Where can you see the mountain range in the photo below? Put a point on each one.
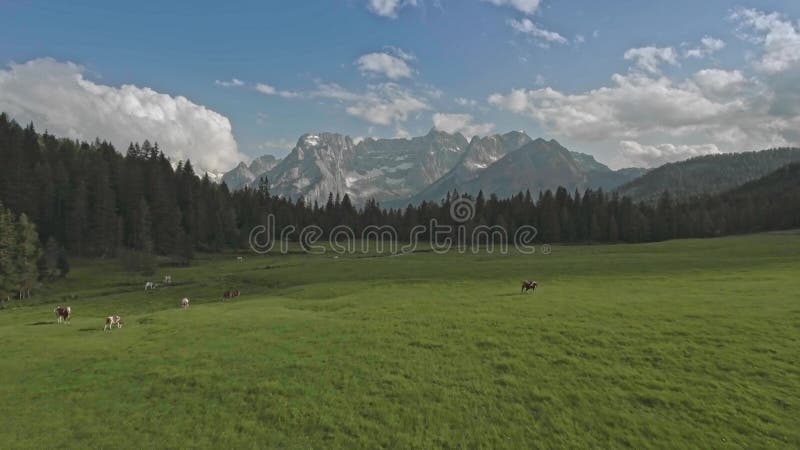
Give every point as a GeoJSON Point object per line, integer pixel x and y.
{"type": "Point", "coordinates": [396, 172]}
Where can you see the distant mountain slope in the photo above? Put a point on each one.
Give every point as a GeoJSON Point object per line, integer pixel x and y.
{"type": "Point", "coordinates": [242, 175]}
{"type": "Point", "coordinates": [612, 179]}
{"type": "Point", "coordinates": [783, 182]}
{"type": "Point", "coordinates": [480, 154]}
{"type": "Point", "coordinates": [771, 202]}
{"type": "Point", "coordinates": [708, 174]}
{"type": "Point", "coordinates": [384, 169]}
{"type": "Point", "coordinates": [536, 166]}
{"type": "Point", "coordinates": [263, 164]}
{"type": "Point", "coordinates": [512, 163]}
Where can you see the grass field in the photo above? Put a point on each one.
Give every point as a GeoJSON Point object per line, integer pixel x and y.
{"type": "Point", "coordinates": [683, 344]}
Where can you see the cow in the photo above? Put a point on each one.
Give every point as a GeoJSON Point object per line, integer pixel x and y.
{"type": "Point", "coordinates": [185, 303]}
{"type": "Point", "coordinates": [239, 259]}
{"type": "Point", "coordinates": [63, 314]}
{"type": "Point", "coordinates": [111, 322]}
{"type": "Point", "coordinates": [168, 279]}
{"type": "Point", "coordinates": [529, 285]}
{"type": "Point", "coordinates": [233, 293]}
{"type": "Point", "coordinates": [150, 285]}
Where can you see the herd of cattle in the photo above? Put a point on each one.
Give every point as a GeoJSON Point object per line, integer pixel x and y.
{"type": "Point", "coordinates": [64, 313]}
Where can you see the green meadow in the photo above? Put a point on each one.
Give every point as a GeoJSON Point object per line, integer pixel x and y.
{"type": "Point", "coordinates": [682, 344]}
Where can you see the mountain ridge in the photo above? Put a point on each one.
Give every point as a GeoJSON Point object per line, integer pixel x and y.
{"type": "Point", "coordinates": [399, 171]}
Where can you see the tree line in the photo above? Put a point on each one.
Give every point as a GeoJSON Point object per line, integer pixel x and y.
{"type": "Point", "coordinates": [94, 201]}
{"type": "Point", "coordinates": [22, 259]}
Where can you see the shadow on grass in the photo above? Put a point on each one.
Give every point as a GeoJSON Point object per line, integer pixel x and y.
{"type": "Point", "coordinates": [36, 324]}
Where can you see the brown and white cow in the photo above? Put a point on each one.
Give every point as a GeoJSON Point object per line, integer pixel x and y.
{"type": "Point", "coordinates": [111, 322]}
{"type": "Point", "coordinates": [63, 313]}
{"type": "Point", "coordinates": [529, 285]}
{"type": "Point", "coordinates": [185, 303]}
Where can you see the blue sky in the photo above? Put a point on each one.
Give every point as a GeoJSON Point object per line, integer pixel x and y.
{"type": "Point", "coordinates": [386, 68]}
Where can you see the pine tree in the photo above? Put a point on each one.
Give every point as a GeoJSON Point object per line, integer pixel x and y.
{"type": "Point", "coordinates": [104, 225]}
{"type": "Point", "coordinates": [613, 230]}
{"type": "Point", "coordinates": [143, 240]}
{"type": "Point", "coordinates": [48, 263]}
{"type": "Point", "coordinates": [7, 251]}
{"type": "Point", "coordinates": [78, 219]}
{"type": "Point", "coordinates": [26, 256]}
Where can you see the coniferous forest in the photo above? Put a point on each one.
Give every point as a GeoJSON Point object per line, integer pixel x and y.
{"type": "Point", "coordinates": [88, 199]}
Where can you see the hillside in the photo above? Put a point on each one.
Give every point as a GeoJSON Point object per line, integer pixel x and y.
{"type": "Point", "coordinates": [708, 174]}
{"type": "Point", "coordinates": [768, 203]}
{"type": "Point", "coordinates": [428, 351]}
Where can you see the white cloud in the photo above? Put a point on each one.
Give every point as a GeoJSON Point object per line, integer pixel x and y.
{"type": "Point", "coordinates": [335, 92]}
{"type": "Point", "coordinates": [634, 105]}
{"type": "Point", "coordinates": [544, 37]}
{"type": "Point", "coordinates": [719, 83]}
{"type": "Point", "coordinates": [267, 89]}
{"type": "Point", "coordinates": [400, 53]}
{"type": "Point", "coordinates": [468, 102]}
{"type": "Point", "coordinates": [779, 37]}
{"type": "Point", "coordinates": [385, 104]}
{"type": "Point", "coordinates": [656, 155]}
{"type": "Point", "coordinates": [401, 133]}
{"type": "Point", "coordinates": [390, 66]}
{"type": "Point", "coordinates": [715, 107]}
{"type": "Point", "coordinates": [380, 104]}
{"type": "Point", "coordinates": [234, 82]}
{"type": "Point", "coordinates": [279, 146]}
{"type": "Point", "coordinates": [388, 8]}
{"type": "Point", "coordinates": [524, 6]}
{"type": "Point", "coordinates": [460, 123]}
{"type": "Point", "coordinates": [650, 58]}
{"type": "Point", "coordinates": [56, 96]}
{"type": "Point", "coordinates": [708, 46]}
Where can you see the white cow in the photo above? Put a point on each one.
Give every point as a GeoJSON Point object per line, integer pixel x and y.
{"type": "Point", "coordinates": [239, 259]}
{"type": "Point", "coordinates": [185, 303]}
{"type": "Point", "coordinates": [111, 322]}
{"type": "Point", "coordinates": [168, 279]}
{"type": "Point", "coordinates": [150, 285]}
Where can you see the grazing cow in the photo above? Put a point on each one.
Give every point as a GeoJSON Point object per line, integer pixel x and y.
{"type": "Point", "coordinates": [239, 259]}
{"type": "Point", "coordinates": [185, 303]}
{"type": "Point", "coordinates": [150, 285]}
{"type": "Point", "coordinates": [168, 279]}
{"type": "Point", "coordinates": [63, 314]}
{"type": "Point", "coordinates": [529, 286]}
{"type": "Point", "coordinates": [111, 322]}
{"type": "Point", "coordinates": [233, 293]}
